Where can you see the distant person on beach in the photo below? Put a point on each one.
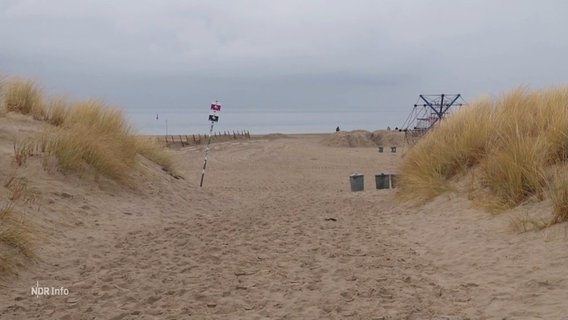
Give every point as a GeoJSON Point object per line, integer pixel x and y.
{"type": "Point", "coordinates": [337, 129]}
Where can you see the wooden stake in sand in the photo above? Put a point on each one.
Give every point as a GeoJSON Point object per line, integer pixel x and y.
{"type": "Point", "coordinates": [213, 117]}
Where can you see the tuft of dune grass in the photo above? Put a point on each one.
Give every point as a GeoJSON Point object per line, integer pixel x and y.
{"type": "Point", "coordinates": [92, 135]}
{"type": "Point", "coordinates": [56, 111]}
{"type": "Point", "coordinates": [155, 152]}
{"type": "Point", "coordinates": [95, 136]}
{"type": "Point", "coordinates": [512, 139]}
{"type": "Point", "coordinates": [86, 135]}
{"type": "Point", "coordinates": [17, 242]}
{"type": "Point", "coordinates": [516, 171]}
{"type": "Point", "coordinates": [558, 193]}
{"type": "Point", "coordinates": [23, 96]}
{"type": "Point", "coordinates": [23, 149]}
{"type": "Point", "coordinates": [449, 149]}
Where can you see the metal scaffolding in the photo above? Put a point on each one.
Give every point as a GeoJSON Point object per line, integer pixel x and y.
{"type": "Point", "coordinates": [428, 111]}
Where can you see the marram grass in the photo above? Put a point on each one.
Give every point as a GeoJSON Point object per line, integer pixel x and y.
{"type": "Point", "coordinates": [86, 135]}
{"type": "Point", "coordinates": [512, 139]}
{"type": "Point", "coordinates": [23, 96]}
{"type": "Point", "coordinates": [449, 149]}
{"type": "Point", "coordinates": [82, 136]}
{"type": "Point", "coordinates": [17, 242]}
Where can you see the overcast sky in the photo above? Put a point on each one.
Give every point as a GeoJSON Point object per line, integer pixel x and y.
{"type": "Point", "coordinates": [283, 55]}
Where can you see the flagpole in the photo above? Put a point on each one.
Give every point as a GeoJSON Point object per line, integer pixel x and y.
{"type": "Point", "coordinates": [213, 117]}
{"type": "Point", "coordinates": [206, 152]}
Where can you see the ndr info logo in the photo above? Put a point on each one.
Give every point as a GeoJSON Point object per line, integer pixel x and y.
{"type": "Point", "coordinates": [49, 291]}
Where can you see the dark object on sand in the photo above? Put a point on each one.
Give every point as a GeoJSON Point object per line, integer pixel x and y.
{"type": "Point", "coordinates": [357, 181]}
{"type": "Point", "coordinates": [382, 181]}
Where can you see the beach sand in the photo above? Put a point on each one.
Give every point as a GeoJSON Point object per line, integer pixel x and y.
{"type": "Point", "coordinates": [276, 233]}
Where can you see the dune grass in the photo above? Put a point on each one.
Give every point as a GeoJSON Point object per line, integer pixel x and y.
{"type": "Point", "coordinates": [56, 110]}
{"type": "Point", "coordinates": [23, 149]}
{"type": "Point", "coordinates": [155, 152]}
{"type": "Point", "coordinates": [87, 135]}
{"type": "Point", "coordinates": [515, 172]}
{"type": "Point", "coordinates": [83, 137]}
{"type": "Point", "coordinates": [94, 136]}
{"type": "Point", "coordinates": [558, 193]}
{"type": "Point", "coordinates": [23, 96]}
{"type": "Point", "coordinates": [513, 140]}
{"type": "Point", "coordinates": [98, 135]}
{"type": "Point", "coordinates": [17, 241]}
{"type": "Point", "coordinates": [447, 150]}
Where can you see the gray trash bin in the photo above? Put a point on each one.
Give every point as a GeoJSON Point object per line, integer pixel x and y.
{"type": "Point", "coordinates": [382, 181]}
{"type": "Point", "coordinates": [357, 181]}
{"type": "Point", "coordinates": [393, 180]}
{"type": "Point", "coordinates": [381, 149]}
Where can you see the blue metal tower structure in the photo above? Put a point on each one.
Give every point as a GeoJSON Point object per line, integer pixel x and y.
{"type": "Point", "coordinates": [429, 110]}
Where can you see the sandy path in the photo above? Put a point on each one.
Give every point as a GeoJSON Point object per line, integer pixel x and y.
{"type": "Point", "coordinates": [276, 234]}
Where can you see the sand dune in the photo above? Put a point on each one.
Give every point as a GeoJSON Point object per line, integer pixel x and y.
{"type": "Point", "coordinates": [276, 233]}
{"type": "Point", "coordinates": [363, 138]}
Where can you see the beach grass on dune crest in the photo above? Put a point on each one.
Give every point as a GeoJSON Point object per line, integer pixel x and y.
{"type": "Point", "coordinates": [56, 110]}
{"type": "Point", "coordinates": [447, 150]}
{"type": "Point", "coordinates": [86, 135]}
{"type": "Point", "coordinates": [23, 96]}
{"type": "Point", "coordinates": [97, 135]}
{"type": "Point", "coordinates": [513, 140]}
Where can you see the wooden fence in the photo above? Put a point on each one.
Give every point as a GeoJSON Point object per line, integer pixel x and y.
{"type": "Point", "coordinates": [197, 139]}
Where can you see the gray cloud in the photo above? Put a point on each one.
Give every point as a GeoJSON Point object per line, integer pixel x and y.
{"type": "Point", "coordinates": [326, 54]}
